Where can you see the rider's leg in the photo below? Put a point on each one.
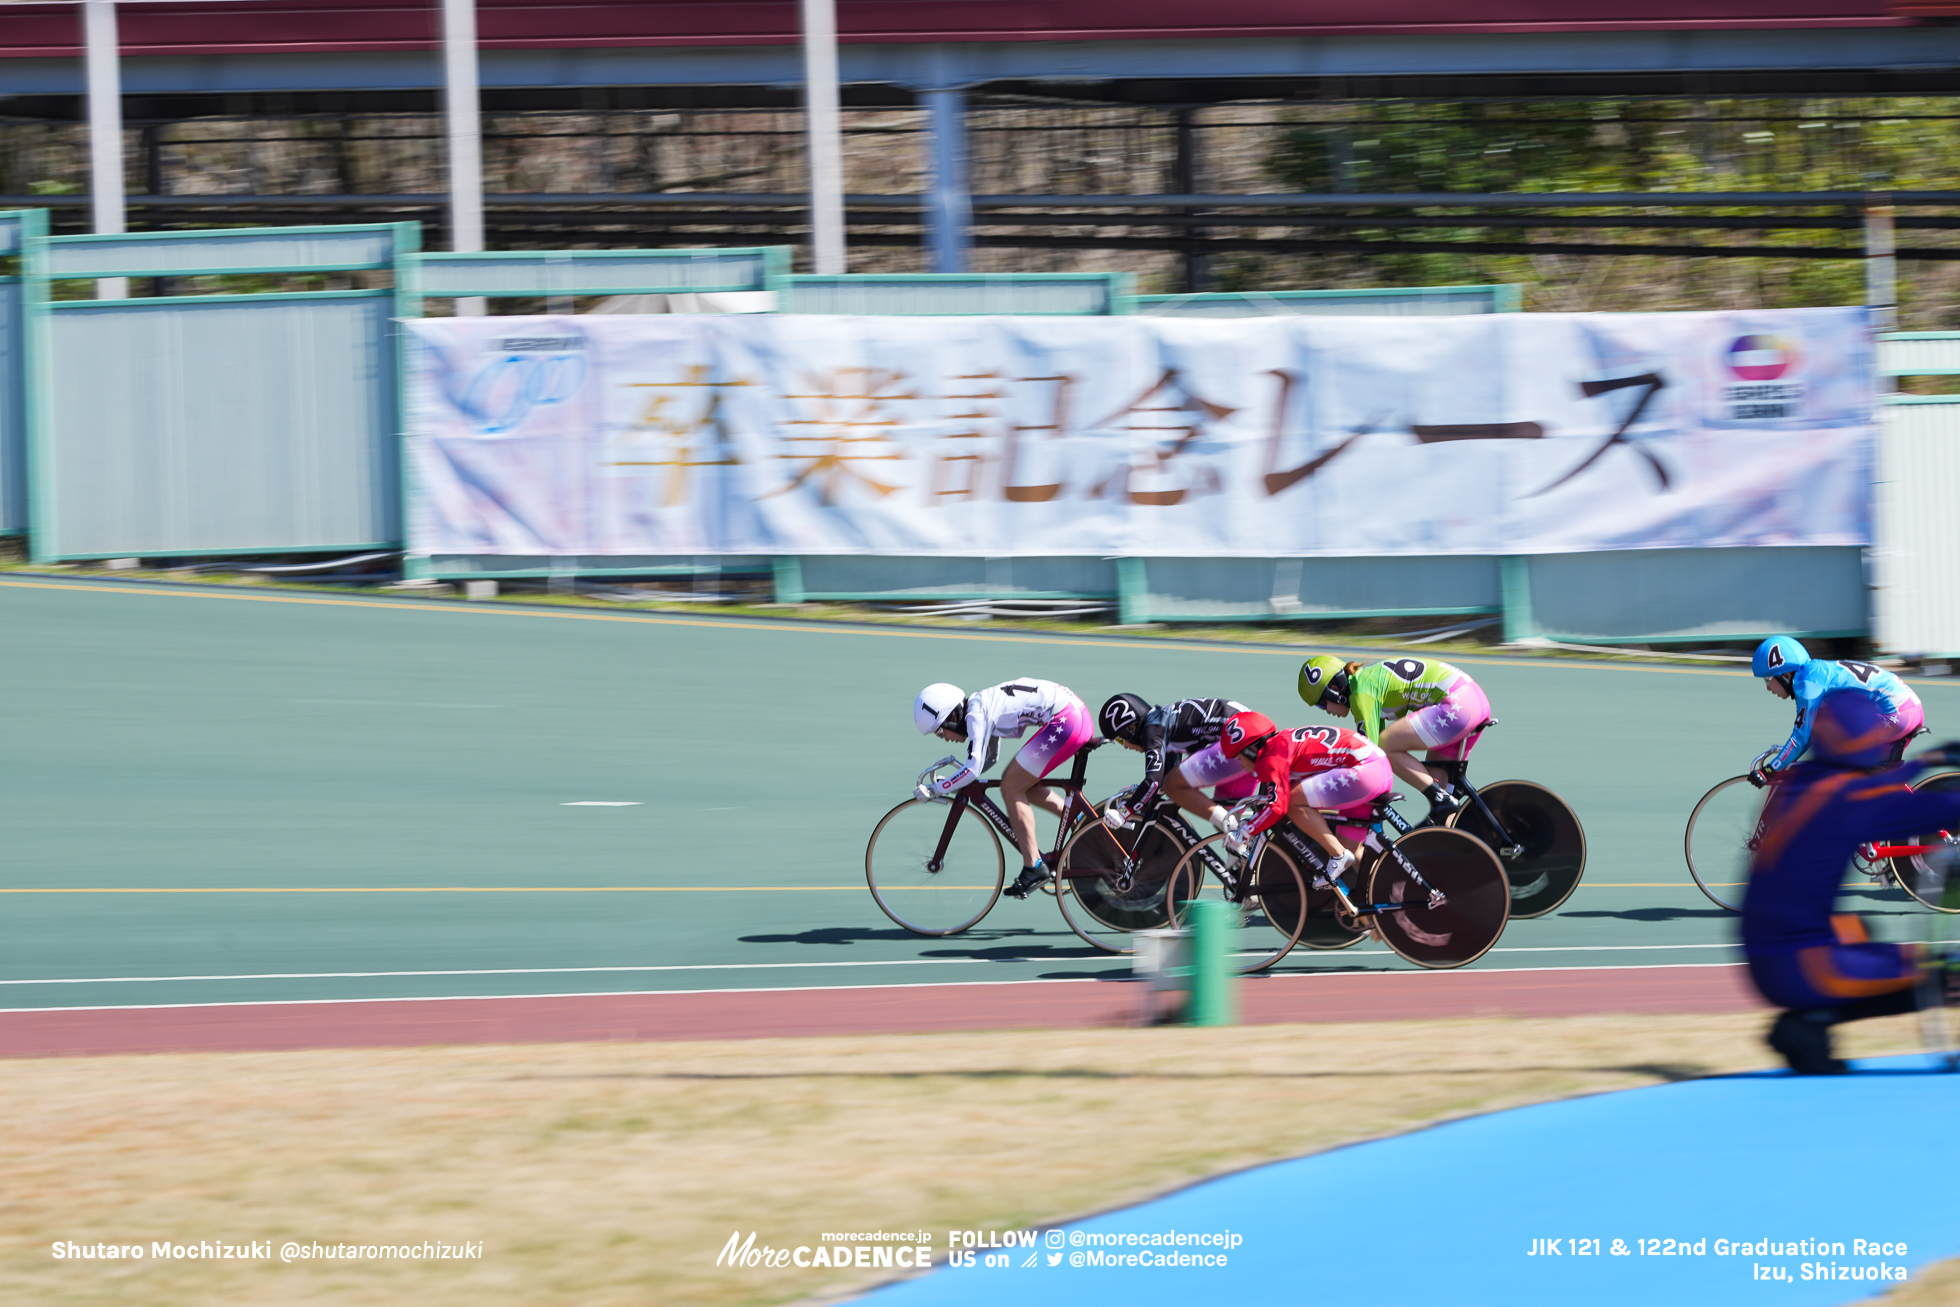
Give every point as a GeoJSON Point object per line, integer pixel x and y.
{"type": "Point", "coordinates": [1020, 788]}
{"type": "Point", "coordinates": [1206, 768]}
{"type": "Point", "coordinates": [1020, 791]}
{"type": "Point", "coordinates": [1400, 741]}
{"type": "Point", "coordinates": [1314, 826]}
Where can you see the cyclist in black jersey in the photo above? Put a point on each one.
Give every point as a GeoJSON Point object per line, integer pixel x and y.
{"type": "Point", "coordinates": [1171, 736]}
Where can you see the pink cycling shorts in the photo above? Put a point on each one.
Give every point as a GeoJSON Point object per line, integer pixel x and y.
{"type": "Point", "coordinates": [1209, 768]}
{"type": "Point", "coordinates": [1461, 712]}
{"type": "Point", "coordinates": [1910, 717]}
{"type": "Point", "coordinates": [1057, 741]}
{"type": "Point", "coordinates": [1348, 787]}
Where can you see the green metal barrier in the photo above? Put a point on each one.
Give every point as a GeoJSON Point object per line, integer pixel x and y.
{"type": "Point", "coordinates": [1391, 301]}
{"type": "Point", "coordinates": [222, 423]}
{"type": "Point", "coordinates": [1023, 294]}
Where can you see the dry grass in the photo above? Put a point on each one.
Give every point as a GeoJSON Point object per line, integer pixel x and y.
{"type": "Point", "coordinates": [603, 1174]}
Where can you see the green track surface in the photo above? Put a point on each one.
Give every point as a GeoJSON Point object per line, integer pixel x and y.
{"type": "Point", "coordinates": [224, 750]}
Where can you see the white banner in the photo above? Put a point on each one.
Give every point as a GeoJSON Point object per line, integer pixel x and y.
{"type": "Point", "coordinates": [1156, 437]}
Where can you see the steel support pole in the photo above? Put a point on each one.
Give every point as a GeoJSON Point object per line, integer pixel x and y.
{"type": "Point", "coordinates": [820, 107]}
{"type": "Point", "coordinates": [1881, 264]}
{"type": "Point", "coordinates": [103, 53]}
{"type": "Point", "coordinates": [949, 214]}
{"type": "Point", "coordinates": [462, 109]}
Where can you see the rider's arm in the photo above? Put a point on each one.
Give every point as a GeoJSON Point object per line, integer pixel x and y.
{"type": "Point", "coordinates": [1365, 702]}
{"type": "Point", "coordinates": [1155, 727]}
{"type": "Point", "coordinates": [1275, 772]}
{"type": "Point", "coordinates": [979, 734]}
{"type": "Point", "coordinates": [1806, 697]}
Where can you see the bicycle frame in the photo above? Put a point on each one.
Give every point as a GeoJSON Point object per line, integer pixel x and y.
{"type": "Point", "coordinates": [975, 795]}
{"type": "Point", "coordinates": [1457, 772]}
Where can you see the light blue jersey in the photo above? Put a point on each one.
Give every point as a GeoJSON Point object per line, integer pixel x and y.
{"type": "Point", "coordinates": [1817, 678]}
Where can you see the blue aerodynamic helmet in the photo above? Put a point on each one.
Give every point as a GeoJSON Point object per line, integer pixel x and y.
{"type": "Point", "coordinates": [1850, 729]}
{"type": "Point", "coordinates": [1777, 655]}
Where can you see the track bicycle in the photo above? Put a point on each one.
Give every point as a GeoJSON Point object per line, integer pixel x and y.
{"type": "Point", "coordinates": [935, 865]}
{"type": "Point", "coordinates": [1726, 827]}
{"type": "Point", "coordinates": [1436, 897]}
{"type": "Point", "coordinates": [1111, 883]}
{"type": "Point", "coordinates": [1534, 833]}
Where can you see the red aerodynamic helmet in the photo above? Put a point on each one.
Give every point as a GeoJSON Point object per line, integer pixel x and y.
{"type": "Point", "coordinates": [1243, 729]}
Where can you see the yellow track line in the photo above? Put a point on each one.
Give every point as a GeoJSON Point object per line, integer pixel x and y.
{"type": "Point", "coordinates": [810, 628]}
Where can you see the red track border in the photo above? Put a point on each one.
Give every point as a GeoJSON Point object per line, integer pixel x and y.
{"type": "Point", "coordinates": [887, 1009]}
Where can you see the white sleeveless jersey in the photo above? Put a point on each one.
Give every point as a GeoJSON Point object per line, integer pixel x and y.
{"type": "Point", "coordinates": [1005, 712]}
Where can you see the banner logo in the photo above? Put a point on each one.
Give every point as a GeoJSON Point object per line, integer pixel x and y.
{"type": "Point", "coordinates": [1764, 366]}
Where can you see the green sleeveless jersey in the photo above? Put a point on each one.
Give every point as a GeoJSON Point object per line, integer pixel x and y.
{"type": "Point", "coordinates": [1384, 691]}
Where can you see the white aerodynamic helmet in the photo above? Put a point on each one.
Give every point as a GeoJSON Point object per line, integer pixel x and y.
{"type": "Point", "coordinates": [934, 705]}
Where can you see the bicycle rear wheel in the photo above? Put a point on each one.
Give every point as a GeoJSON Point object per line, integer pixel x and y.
{"type": "Point", "coordinates": [928, 901]}
{"type": "Point", "coordinates": [1269, 913]}
{"type": "Point", "coordinates": [1454, 896]}
{"type": "Point", "coordinates": [1721, 840]}
{"type": "Point", "coordinates": [1089, 882]}
{"type": "Point", "coordinates": [1550, 841]}
{"type": "Point", "coordinates": [1936, 891]}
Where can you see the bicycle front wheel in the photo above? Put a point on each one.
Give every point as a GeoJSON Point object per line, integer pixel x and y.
{"type": "Point", "coordinates": [929, 899]}
{"type": "Point", "coordinates": [1721, 840]}
{"type": "Point", "coordinates": [1441, 897]}
{"type": "Point", "coordinates": [1550, 842]}
{"type": "Point", "coordinates": [1111, 884]}
{"type": "Point", "coordinates": [1268, 902]}
{"type": "Point", "coordinates": [1938, 892]}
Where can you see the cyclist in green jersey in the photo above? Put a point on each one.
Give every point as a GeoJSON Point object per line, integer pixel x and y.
{"type": "Point", "coordinates": [1403, 705]}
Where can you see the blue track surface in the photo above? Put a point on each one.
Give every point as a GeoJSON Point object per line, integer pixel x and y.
{"type": "Point", "coordinates": [1449, 1215]}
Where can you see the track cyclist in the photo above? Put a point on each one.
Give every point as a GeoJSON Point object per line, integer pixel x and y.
{"type": "Point", "coordinates": [1301, 771]}
{"type": "Point", "coordinates": [1789, 672]}
{"type": "Point", "coordinates": [1820, 967]}
{"type": "Point", "coordinates": [1001, 713]}
{"type": "Point", "coordinates": [1179, 743]}
{"type": "Point", "coordinates": [1403, 705]}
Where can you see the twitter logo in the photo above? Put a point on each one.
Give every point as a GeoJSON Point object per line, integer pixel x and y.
{"type": "Point", "coordinates": [1054, 1259]}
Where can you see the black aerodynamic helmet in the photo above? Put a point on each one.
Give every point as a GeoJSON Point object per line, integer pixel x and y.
{"type": "Point", "coordinates": [1121, 718]}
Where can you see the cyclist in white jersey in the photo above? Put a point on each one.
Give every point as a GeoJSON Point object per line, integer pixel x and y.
{"type": "Point", "coordinates": [1003, 712]}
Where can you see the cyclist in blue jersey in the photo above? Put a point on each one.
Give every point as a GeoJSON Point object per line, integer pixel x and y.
{"type": "Point", "coordinates": [1820, 967]}
{"type": "Point", "coordinates": [1791, 673]}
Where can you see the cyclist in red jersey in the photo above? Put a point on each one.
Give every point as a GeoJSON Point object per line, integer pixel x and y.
{"type": "Point", "coordinates": [1304, 770]}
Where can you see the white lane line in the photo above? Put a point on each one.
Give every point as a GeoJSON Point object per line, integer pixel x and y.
{"type": "Point", "coordinates": [824, 989]}
{"type": "Point", "coordinates": [601, 803]}
{"type": "Point", "coordinates": [747, 966]}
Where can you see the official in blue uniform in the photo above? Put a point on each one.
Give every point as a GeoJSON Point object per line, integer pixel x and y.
{"type": "Point", "coordinates": [1822, 968]}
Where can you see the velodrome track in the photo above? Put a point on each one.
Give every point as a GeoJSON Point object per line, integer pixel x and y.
{"type": "Point", "coordinates": [247, 818]}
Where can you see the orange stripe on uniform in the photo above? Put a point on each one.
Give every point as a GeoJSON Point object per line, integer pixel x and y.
{"type": "Point", "coordinates": [1820, 970]}
{"type": "Point", "coordinates": [1849, 928]}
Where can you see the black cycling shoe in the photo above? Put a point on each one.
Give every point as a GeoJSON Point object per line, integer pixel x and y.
{"type": "Point", "coordinates": [1805, 1045]}
{"type": "Point", "coordinates": [1030, 880]}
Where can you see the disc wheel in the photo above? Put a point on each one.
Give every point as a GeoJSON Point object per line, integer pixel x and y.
{"type": "Point", "coordinates": [1111, 884]}
{"type": "Point", "coordinates": [1940, 893]}
{"type": "Point", "coordinates": [1546, 832]}
{"type": "Point", "coordinates": [928, 901]}
{"type": "Point", "coordinates": [1462, 919]}
{"type": "Point", "coordinates": [1721, 839]}
{"type": "Point", "coordinates": [1268, 915]}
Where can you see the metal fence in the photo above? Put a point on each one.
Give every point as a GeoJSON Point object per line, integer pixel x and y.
{"type": "Point", "coordinates": [16, 227]}
{"type": "Point", "coordinates": [1399, 301]}
{"type": "Point", "coordinates": [248, 422]}
{"type": "Point", "coordinates": [1916, 564]}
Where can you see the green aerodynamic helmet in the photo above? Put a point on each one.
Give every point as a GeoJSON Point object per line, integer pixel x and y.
{"type": "Point", "coordinates": [1324, 676]}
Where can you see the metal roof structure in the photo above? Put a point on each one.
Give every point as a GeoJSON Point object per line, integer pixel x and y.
{"type": "Point", "coordinates": [1139, 51]}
